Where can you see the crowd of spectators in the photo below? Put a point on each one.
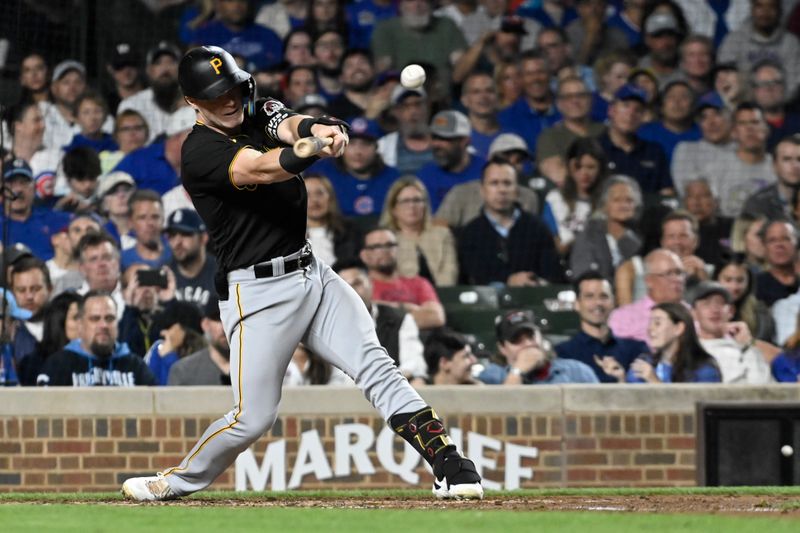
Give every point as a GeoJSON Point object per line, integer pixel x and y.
{"type": "Point", "coordinates": [647, 152]}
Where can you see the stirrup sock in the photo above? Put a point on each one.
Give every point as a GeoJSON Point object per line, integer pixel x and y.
{"type": "Point", "coordinates": [424, 431]}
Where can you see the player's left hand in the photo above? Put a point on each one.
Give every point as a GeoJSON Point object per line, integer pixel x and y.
{"type": "Point", "coordinates": [337, 133]}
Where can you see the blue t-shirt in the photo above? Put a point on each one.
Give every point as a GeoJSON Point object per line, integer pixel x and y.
{"type": "Point", "coordinates": [362, 17]}
{"type": "Point", "coordinates": [633, 34]}
{"type": "Point", "coordinates": [786, 367]}
{"type": "Point", "coordinates": [532, 9]}
{"type": "Point", "coordinates": [160, 365]}
{"type": "Point", "coordinates": [599, 112]}
{"type": "Point", "coordinates": [658, 133]}
{"type": "Point", "coordinates": [560, 371]}
{"type": "Point", "coordinates": [704, 374]}
{"type": "Point", "coordinates": [481, 142]}
{"type": "Point", "coordinates": [439, 181]}
{"type": "Point", "coordinates": [583, 347]}
{"type": "Point", "coordinates": [358, 197]}
{"type": "Point", "coordinates": [149, 168]}
{"type": "Point", "coordinates": [36, 231]}
{"type": "Point", "coordinates": [131, 256]}
{"type": "Point", "coordinates": [519, 118]}
{"type": "Point", "coordinates": [260, 46]}
{"type": "Point", "coordinates": [106, 142]}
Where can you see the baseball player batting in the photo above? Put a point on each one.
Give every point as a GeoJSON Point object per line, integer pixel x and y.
{"type": "Point", "coordinates": [240, 168]}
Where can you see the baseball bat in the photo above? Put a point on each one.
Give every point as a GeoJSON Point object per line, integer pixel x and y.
{"type": "Point", "coordinates": [310, 146]}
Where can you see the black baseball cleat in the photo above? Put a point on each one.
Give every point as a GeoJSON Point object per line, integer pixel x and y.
{"type": "Point", "coordinates": [455, 477]}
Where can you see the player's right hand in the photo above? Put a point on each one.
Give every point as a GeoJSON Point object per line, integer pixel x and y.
{"type": "Point", "coordinates": [337, 133]}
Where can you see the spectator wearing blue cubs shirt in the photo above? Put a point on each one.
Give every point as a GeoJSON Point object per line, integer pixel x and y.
{"type": "Point", "coordinates": [147, 221]}
{"type": "Point", "coordinates": [360, 178]}
{"type": "Point", "coordinates": [548, 13]}
{"type": "Point", "coordinates": [452, 163]}
{"type": "Point", "coordinates": [157, 165]}
{"type": "Point", "coordinates": [677, 119]}
{"type": "Point", "coordinates": [234, 30]}
{"type": "Point", "coordinates": [362, 17]}
{"type": "Point", "coordinates": [629, 19]}
{"type": "Point", "coordinates": [479, 97]}
{"type": "Point", "coordinates": [26, 224]}
{"type": "Point", "coordinates": [534, 110]}
{"type": "Point", "coordinates": [595, 345]}
{"type": "Point", "coordinates": [629, 154]}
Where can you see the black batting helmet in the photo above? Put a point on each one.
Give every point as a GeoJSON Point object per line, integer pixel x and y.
{"type": "Point", "coordinates": [208, 72]}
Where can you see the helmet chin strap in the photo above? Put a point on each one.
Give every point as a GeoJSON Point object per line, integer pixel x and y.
{"type": "Point", "coordinates": [250, 98]}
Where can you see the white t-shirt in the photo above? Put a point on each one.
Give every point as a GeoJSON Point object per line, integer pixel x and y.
{"type": "Point", "coordinates": [321, 240]}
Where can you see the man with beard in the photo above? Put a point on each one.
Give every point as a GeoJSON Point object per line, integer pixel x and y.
{"type": "Point", "coordinates": [414, 295]}
{"type": "Point", "coordinates": [779, 199]}
{"type": "Point", "coordinates": [417, 36]}
{"type": "Point", "coordinates": [357, 78]}
{"type": "Point", "coordinates": [408, 148]}
{"type": "Point", "coordinates": [595, 345]}
{"type": "Point", "coordinates": [534, 110]}
{"type": "Point", "coordinates": [147, 218]}
{"type": "Point", "coordinates": [452, 163]}
{"type": "Point", "coordinates": [211, 365]}
{"type": "Point", "coordinates": [194, 268]}
{"type": "Point", "coordinates": [504, 244]}
{"type": "Point", "coordinates": [125, 71]}
{"type": "Point", "coordinates": [157, 166]}
{"type": "Point", "coordinates": [492, 48]}
{"type": "Point", "coordinates": [163, 98]}
{"type": "Point", "coordinates": [96, 358]}
{"type": "Point", "coordinates": [360, 178]}
{"type": "Point", "coordinates": [29, 225]}
{"type": "Point", "coordinates": [329, 47]}
{"type": "Point", "coordinates": [768, 79]}
{"type": "Point", "coordinates": [234, 30]}
{"type": "Point", "coordinates": [762, 37]}
{"type": "Point", "coordinates": [662, 38]}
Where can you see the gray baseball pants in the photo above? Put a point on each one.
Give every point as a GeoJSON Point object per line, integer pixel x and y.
{"type": "Point", "coordinates": [264, 320]}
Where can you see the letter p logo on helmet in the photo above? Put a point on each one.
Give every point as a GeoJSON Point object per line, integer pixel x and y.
{"type": "Point", "coordinates": [216, 63]}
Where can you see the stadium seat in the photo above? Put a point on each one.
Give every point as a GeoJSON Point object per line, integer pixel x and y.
{"type": "Point", "coordinates": [468, 296]}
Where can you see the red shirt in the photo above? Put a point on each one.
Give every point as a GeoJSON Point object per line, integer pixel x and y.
{"type": "Point", "coordinates": [416, 290]}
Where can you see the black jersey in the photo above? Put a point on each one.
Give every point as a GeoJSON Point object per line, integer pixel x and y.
{"type": "Point", "coordinates": [251, 224]}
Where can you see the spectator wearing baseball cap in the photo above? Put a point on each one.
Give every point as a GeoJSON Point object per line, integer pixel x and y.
{"type": "Point", "coordinates": [209, 365]}
{"type": "Point", "coordinates": [740, 356]}
{"type": "Point", "coordinates": [408, 148]}
{"type": "Point", "coordinates": [314, 105]}
{"type": "Point", "coordinates": [677, 102]}
{"type": "Point", "coordinates": [157, 166]}
{"type": "Point", "coordinates": [525, 357]}
{"type": "Point", "coordinates": [628, 154]}
{"type": "Point", "coordinates": [113, 191]}
{"type": "Point", "coordinates": [125, 69]}
{"type": "Point", "coordinates": [662, 34]}
{"type": "Point", "coordinates": [452, 164]}
{"type": "Point", "coordinates": [67, 85]}
{"type": "Point", "coordinates": [158, 102]}
{"type": "Point", "coordinates": [174, 333]}
{"type": "Point", "coordinates": [693, 160]}
{"type": "Point", "coordinates": [463, 202]}
{"type": "Point", "coordinates": [193, 266]}
{"type": "Point", "coordinates": [234, 30]}
{"type": "Point", "coordinates": [27, 224]}
{"type": "Point", "coordinates": [360, 177]}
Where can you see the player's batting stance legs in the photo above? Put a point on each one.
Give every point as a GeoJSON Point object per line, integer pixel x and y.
{"type": "Point", "coordinates": [242, 174]}
{"type": "Point", "coordinates": [264, 320]}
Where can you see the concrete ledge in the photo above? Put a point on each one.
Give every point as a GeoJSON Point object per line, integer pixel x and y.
{"type": "Point", "coordinates": [547, 399]}
{"type": "Point", "coordinates": [667, 398]}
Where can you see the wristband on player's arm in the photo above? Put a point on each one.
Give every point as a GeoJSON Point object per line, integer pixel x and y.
{"type": "Point", "coordinates": [304, 128]}
{"type": "Point", "coordinates": [294, 164]}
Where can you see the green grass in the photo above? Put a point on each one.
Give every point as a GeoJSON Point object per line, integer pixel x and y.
{"type": "Point", "coordinates": [168, 519]}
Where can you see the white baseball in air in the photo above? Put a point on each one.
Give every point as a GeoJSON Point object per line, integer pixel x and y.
{"type": "Point", "coordinates": [787, 450]}
{"type": "Point", "coordinates": [412, 77]}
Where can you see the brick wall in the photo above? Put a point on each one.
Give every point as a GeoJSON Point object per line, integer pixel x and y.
{"type": "Point", "coordinates": [624, 442]}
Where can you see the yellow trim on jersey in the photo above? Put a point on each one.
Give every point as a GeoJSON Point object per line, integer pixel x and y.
{"type": "Point", "coordinates": [230, 169]}
{"type": "Point", "coordinates": [241, 400]}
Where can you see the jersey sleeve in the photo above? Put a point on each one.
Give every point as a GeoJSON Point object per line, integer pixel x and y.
{"type": "Point", "coordinates": [269, 113]}
{"type": "Point", "coordinates": [207, 162]}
